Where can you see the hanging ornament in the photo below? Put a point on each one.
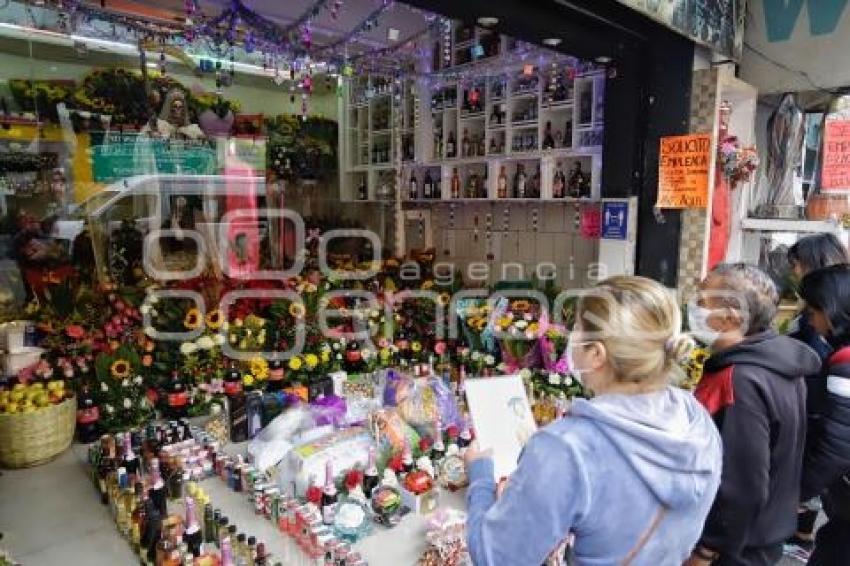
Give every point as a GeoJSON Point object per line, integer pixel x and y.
{"type": "Point", "coordinates": [250, 43]}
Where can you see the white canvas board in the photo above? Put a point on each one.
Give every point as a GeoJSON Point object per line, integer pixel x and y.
{"type": "Point", "coordinates": [501, 415]}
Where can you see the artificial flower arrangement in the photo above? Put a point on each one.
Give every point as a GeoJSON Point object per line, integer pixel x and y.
{"type": "Point", "coordinates": [739, 163]}
{"type": "Point", "coordinates": [520, 324]}
{"type": "Point", "coordinates": [120, 390]}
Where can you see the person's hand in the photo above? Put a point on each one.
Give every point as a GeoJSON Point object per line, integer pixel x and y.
{"type": "Point", "coordinates": [696, 561]}
{"type": "Point", "coordinates": [473, 453]}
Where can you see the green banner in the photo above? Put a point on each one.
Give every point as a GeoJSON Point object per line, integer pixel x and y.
{"type": "Point", "coordinates": [119, 156]}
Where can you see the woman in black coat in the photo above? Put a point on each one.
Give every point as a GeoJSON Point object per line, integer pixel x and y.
{"type": "Point", "coordinates": [826, 466]}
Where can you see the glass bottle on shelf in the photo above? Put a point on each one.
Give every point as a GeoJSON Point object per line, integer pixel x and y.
{"type": "Point", "coordinates": [480, 145]}
{"type": "Point", "coordinates": [451, 146]}
{"type": "Point", "coordinates": [520, 181]}
{"type": "Point", "coordinates": [482, 186]}
{"type": "Point", "coordinates": [558, 182]}
{"type": "Point", "coordinates": [455, 184]}
{"type": "Point", "coordinates": [465, 146]}
{"type": "Point", "coordinates": [428, 186]}
{"type": "Point", "coordinates": [192, 529]}
{"type": "Point", "coordinates": [362, 192]}
{"type": "Point", "coordinates": [88, 415]}
{"type": "Point", "coordinates": [577, 184]}
{"type": "Point", "coordinates": [138, 519]}
{"type": "Point", "coordinates": [493, 146]}
{"type": "Point", "coordinates": [438, 188]}
{"type": "Point", "coordinates": [413, 190]}
{"type": "Point", "coordinates": [548, 139]}
{"type": "Point", "coordinates": [568, 133]}
{"type": "Point", "coordinates": [534, 184]}
{"type": "Point", "coordinates": [502, 183]}
{"type": "Point", "coordinates": [472, 186]}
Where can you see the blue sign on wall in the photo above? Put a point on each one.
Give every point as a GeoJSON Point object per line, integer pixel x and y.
{"type": "Point", "coordinates": [615, 220]}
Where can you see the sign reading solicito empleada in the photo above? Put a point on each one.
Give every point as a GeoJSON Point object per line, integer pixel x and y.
{"type": "Point", "coordinates": [683, 171]}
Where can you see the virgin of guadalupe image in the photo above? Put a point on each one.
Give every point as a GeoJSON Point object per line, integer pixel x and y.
{"type": "Point", "coordinates": [173, 120]}
{"type": "Point", "coordinates": [519, 410]}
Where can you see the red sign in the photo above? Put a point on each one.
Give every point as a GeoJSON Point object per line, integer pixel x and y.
{"type": "Point", "coordinates": [835, 174]}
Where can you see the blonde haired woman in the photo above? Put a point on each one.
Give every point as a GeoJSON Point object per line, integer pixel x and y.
{"type": "Point", "coordinates": [630, 474]}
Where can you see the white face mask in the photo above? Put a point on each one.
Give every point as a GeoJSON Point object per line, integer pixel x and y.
{"type": "Point", "coordinates": [698, 323]}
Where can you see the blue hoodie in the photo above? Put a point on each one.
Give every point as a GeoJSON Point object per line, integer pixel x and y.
{"type": "Point", "coordinates": [603, 473]}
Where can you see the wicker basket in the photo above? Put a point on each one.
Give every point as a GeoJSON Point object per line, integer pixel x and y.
{"type": "Point", "coordinates": [31, 439]}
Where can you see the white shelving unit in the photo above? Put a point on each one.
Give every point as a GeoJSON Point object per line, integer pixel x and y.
{"type": "Point", "coordinates": [505, 129]}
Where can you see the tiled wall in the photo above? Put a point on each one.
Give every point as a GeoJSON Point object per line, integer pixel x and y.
{"type": "Point", "coordinates": [704, 107]}
{"type": "Point", "coordinates": [528, 234]}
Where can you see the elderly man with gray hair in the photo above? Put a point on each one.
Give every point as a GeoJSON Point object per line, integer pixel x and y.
{"type": "Point", "coordinates": [753, 387]}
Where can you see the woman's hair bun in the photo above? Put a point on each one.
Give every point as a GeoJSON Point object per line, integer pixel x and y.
{"type": "Point", "coordinates": [678, 347]}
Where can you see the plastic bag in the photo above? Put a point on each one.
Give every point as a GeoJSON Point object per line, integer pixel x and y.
{"type": "Point", "coordinates": [272, 444]}
{"type": "Point", "coordinates": [424, 401]}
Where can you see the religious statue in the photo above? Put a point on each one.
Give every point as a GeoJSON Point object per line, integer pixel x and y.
{"type": "Point", "coordinates": [173, 120]}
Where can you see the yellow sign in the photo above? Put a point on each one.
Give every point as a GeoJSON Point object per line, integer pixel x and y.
{"type": "Point", "coordinates": [683, 169]}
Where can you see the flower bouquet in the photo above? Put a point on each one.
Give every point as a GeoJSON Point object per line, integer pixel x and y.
{"type": "Point", "coordinates": [692, 366]}
{"type": "Point", "coordinates": [739, 163]}
{"type": "Point", "coordinates": [120, 390]}
{"type": "Point", "coordinates": [519, 323]}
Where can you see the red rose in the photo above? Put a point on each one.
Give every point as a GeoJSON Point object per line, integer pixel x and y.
{"type": "Point", "coordinates": [352, 479]}
{"type": "Point", "coordinates": [395, 463]}
{"type": "Point", "coordinates": [314, 495]}
{"type": "Point", "coordinates": [440, 348]}
{"type": "Point", "coordinates": [452, 431]}
{"type": "Point", "coordinates": [425, 444]}
{"type": "Point", "coordinates": [75, 331]}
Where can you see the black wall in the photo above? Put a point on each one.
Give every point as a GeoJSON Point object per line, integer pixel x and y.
{"type": "Point", "coordinates": [647, 96]}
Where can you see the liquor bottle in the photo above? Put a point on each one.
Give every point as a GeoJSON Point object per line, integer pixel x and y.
{"type": "Point", "coordinates": [125, 504]}
{"type": "Point", "coordinates": [152, 533]}
{"type": "Point", "coordinates": [493, 147]}
{"type": "Point", "coordinates": [471, 186]}
{"type": "Point", "coordinates": [106, 467]}
{"type": "Point", "coordinates": [407, 464]}
{"type": "Point", "coordinates": [236, 406]}
{"type": "Point", "coordinates": [465, 146]}
{"type": "Point", "coordinates": [222, 530]}
{"type": "Point", "coordinates": [262, 556]}
{"type": "Point", "coordinates": [209, 524]}
{"type": "Point", "coordinates": [178, 397]}
{"type": "Point", "coordinates": [413, 191]}
{"type": "Point", "coordinates": [88, 415]}
{"type": "Point", "coordinates": [520, 181]}
{"type": "Point", "coordinates": [465, 438]}
{"type": "Point", "coordinates": [329, 495]}
{"type": "Point", "coordinates": [558, 182]}
{"type": "Point", "coordinates": [130, 462]}
{"type": "Point", "coordinates": [568, 133]}
{"type": "Point", "coordinates": [438, 144]}
{"type": "Point", "coordinates": [254, 413]}
{"type": "Point", "coordinates": [252, 551]}
{"type": "Point", "coordinates": [575, 182]}
{"type": "Point", "coordinates": [362, 193]}
{"type": "Point", "coordinates": [480, 145]}
{"type": "Point", "coordinates": [370, 476]}
{"type": "Point", "coordinates": [239, 550]}
{"type": "Point", "coordinates": [276, 375]}
{"type": "Point", "coordinates": [192, 529]}
{"type": "Point", "coordinates": [226, 553]}
{"type": "Point", "coordinates": [548, 139]}
{"type": "Point", "coordinates": [438, 450]}
{"type": "Point", "coordinates": [534, 184]}
{"type": "Point", "coordinates": [451, 146]}
{"type": "Point", "coordinates": [455, 184]}
{"type": "Point", "coordinates": [428, 186]}
{"type": "Point", "coordinates": [502, 183]}
{"type": "Point", "coordinates": [438, 190]}
{"type": "Point", "coordinates": [138, 520]}
{"type": "Point", "coordinates": [157, 489]}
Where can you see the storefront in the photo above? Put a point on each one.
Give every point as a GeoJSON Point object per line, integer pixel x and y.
{"type": "Point", "coordinates": [322, 217]}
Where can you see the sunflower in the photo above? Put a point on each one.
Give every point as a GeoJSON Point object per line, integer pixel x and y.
{"type": "Point", "coordinates": [248, 380]}
{"type": "Point", "coordinates": [445, 299]}
{"type": "Point", "coordinates": [120, 369]}
{"type": "Point", "coordinates": [416, 347]}
{"type": "Point", "coordinates": [295, 363]}
{"type": "Point", "coordinates": [259, 368]}
{"type": "Point", "coordinates": [297, 310]}
{"type": "Point", "coordinates": [214, 319]}
{"type": "Point", "coordinates": [193, 319]}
